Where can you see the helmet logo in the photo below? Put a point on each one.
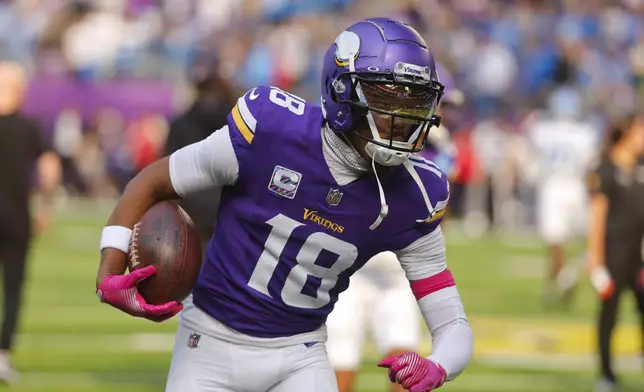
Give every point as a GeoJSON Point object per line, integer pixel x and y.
{"type": "Point", "coordinates": [406, 72]}
{"type": "Point", "coordinates": [347, 45]}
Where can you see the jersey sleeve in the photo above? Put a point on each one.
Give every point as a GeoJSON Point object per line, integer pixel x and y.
{"type": "Point", "coordinates": [244, 121]}
{"type": "Point", "coordinates": [424, 257]}
{"type": "Point", "coordinates": [436, 187]}
{"type": "Point", "coordinates": [210, 163]}
{"type": "Point", "coordinates": [600, 180]}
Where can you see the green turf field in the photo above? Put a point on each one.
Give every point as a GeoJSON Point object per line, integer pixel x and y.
{"type": "Point", "coordinates": [70, 342]}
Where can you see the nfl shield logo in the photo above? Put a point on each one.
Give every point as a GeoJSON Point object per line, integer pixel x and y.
{"type": "Point", "coordinates": [193, 340]}
{"type": "Point", "coordinates": [333, 197]}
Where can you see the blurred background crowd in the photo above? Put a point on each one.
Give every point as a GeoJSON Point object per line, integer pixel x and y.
{"type": "Point", "coordinates": [107, 76]}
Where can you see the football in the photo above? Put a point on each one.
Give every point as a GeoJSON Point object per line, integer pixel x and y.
{"type": "Point", "coordinates": [167, 238]}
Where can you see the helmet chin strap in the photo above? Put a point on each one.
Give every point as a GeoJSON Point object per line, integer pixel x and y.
{"type": "Point", "coordinates": [386, 156]}
{"type": "Point", "coordinates": [384, 208]}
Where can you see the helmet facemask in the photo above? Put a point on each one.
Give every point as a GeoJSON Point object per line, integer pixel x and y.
{"type": "Point", "coordinates": [399, 110]}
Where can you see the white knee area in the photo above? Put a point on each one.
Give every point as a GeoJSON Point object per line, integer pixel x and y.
{"type": "Point", "coordinates": [562, 211]}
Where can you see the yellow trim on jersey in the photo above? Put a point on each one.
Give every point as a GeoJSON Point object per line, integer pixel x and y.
{"type": "Point", "coordinates": [246, 115]}
{"type": "Point", "coordinates": [241, 125]}
{"type": "Point", "coordinates": [436, 216]}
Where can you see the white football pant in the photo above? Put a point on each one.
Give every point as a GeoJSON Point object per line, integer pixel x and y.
{"type": "Point", "coordinates": [215, 365]}
{"type": "Point", "coordinates": [379, 299]}
{"type": "Point", "coordinates": [562, 209]}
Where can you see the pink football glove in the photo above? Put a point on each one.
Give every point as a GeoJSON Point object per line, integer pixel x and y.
{"type": "Point", "coordinates": [414, 373]}
{"type": "Point", "coordinates": [120, 291]}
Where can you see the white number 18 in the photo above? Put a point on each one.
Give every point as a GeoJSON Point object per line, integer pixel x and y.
{"type": "Point", "coordinates": [292, 102]}
{"type": "Point", "coordinates": [283, 227]}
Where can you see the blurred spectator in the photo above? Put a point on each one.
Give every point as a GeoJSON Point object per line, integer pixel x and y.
{"type": "Point", "coordinates": [615, 236]}
{"type": "Point", "coordinates": [208, 113]}
{"type": "Point", "coordinates": [22, 149]}
{"type": "Point", "coordinates": [491, 74]}
{"type": "Point", "coordinates": [110, 133]}
{"type": "Point", "coordinates": [67, 139]}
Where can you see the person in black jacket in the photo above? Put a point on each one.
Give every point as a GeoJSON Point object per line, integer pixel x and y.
{"type": "Point", "coordinates": [616, 232]}
{"type": "Point", "coordinates": [22, 148]}
{"type": "Point", "coordinates": [214, 100]}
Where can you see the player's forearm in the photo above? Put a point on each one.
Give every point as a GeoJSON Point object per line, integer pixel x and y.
{"type": "Point", "coordinates": [149, 187]}
{"type": "Point", "coordinates": [444, 314]}
{"type": "Point", "coordinates": [596, 237]}
{"type": "Point", "coordinates": [113, 262]}
{"type": "Point", "coordinates": [596, 246]}
{"type": "Point", "coordinates": [453, 348]}
{"type": "Point", "coordinates": [50, 176]}
{"type": "Point", "coordinates": [452, 336]}
{"type": "Point", "coordinates": [434, 287]}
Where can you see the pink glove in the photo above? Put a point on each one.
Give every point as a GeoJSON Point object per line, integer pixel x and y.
{"type": "Point", "coordinates": [120, 291]}
{"type": "Point", "coordinates": [414, 373]}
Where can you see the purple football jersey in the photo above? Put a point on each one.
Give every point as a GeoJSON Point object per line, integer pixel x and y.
{"type": "Point", "coordinates": [288, 237]}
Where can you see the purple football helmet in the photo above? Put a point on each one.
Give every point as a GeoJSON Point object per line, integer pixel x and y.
{"type": "Point", "coordinates": [379, 72]}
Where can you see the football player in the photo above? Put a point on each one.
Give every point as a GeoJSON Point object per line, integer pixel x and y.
{"type": "Point", "coordinates": [309, 195]}
{"type": "Point", "coordinates": [379, 298]}
{"type": "Point", "coordinates": [565, 147]}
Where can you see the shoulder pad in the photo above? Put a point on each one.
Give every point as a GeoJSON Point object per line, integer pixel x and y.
{"type": "Point", "coordinates": [247, 111]}
{"type": "Point", "coordinates": [266, 109]}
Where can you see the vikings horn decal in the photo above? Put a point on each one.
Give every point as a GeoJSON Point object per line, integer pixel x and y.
{"type": "Point", "coordinates": [347, 43]}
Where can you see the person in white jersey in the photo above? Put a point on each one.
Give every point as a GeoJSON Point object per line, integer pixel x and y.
{"type": "Point", "coordinates": [565, 148]}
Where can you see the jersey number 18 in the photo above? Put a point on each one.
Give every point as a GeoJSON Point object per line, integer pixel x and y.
{"type": "Point", "coordinates": [291, 294]}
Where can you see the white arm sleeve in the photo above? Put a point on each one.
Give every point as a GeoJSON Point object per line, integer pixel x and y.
{"type": "Point", "coordinates": [206, 164]}
{"type": "Point", "coordinates": [443, 311]}
{"type": "Point", "coordinates": [452, 336]}
{"type": "Point", "coordinates": [424, 257]}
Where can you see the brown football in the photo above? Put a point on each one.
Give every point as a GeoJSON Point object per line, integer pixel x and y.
{"type": "Point", "coordinates": [167, 238]}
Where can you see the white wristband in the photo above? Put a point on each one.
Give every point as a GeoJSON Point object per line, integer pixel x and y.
{"type": "Point", "coordinates": [117, 237]}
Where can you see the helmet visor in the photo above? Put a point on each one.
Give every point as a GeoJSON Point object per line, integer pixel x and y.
{"type": "Point", "coordinates": [401, 112]}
